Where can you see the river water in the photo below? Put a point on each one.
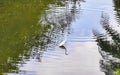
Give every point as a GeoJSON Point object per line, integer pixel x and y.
{"type": "Point", "coordinates": [76, 25]}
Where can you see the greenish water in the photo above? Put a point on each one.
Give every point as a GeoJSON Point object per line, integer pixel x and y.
{"type": "Point", "coordinates": [19, 28]}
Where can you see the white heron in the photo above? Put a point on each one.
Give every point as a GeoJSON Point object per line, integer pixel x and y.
{"type": "Point", "coordinates": [61, 45]}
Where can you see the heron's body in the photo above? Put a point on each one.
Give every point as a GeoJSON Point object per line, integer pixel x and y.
{"type": "Point", "coordinates": [61, 45]}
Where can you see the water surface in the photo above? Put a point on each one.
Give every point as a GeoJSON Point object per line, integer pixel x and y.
{"type": "Point", "coordinates": [32, 31]}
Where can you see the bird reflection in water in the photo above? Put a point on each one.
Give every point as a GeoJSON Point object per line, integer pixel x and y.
{"type": "Point", "coordinates": [63, 47]}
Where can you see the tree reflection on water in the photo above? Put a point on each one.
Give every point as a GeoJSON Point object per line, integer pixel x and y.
{"type": "Point", "coordinates": [109, 47]}
{"type": "Point", "coordinates": [33, 39]}
{"type": "Point", "coordinates": [109, 44]}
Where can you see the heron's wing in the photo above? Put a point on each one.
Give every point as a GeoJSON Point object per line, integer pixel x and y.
{"type": "Point", "coordinates": [62, 43]}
